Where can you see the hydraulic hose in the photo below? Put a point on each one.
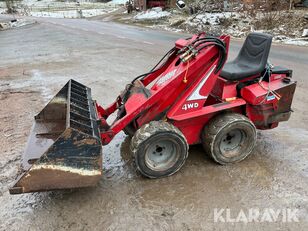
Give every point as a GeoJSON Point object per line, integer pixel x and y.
{"type": "Point", "coordinates": [212, 41]}
{"type": "Point", "coordinates": [222, 54]}
{"type": "Point", "coordinates": [154, 69]}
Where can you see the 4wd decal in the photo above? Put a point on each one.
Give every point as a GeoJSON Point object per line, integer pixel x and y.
{"type": "Point", "coordinates": [188, 106]}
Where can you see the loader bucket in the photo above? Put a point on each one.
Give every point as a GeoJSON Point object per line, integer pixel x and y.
{"type": "Point", "coordinates": [64, 148]}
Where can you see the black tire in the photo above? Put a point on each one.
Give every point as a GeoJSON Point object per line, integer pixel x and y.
{"type": "Point", "coordinates": [159, 149]}
{"type": "Point", "coordinates": [229, 138]}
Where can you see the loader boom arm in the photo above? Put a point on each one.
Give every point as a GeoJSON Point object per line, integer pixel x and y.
{"type": "Point", "coordinates": [179, 73]}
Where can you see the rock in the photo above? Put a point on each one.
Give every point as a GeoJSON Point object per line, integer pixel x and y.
{"type": "Point", "coordinates": [4, 26]}
{"type": "Point", "coordinates": [177, 22]}
{"type": "Point", "coordinates": [168, 213]}
{"type": "Point", "coordinates": [305, 33]}
{"type": "Point", "coordinates": [280, 37]}
{"type": "Point", "coordinates": [306, 16]}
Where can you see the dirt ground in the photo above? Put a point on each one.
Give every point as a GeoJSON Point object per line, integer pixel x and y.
{"type": "Point", "coordinates": [38, 60]}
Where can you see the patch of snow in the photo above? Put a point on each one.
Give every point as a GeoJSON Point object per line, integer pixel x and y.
{"type": "Point", "coordinates": [56, 9]}
{"type": "Point", "coordinates": [297, 42]}
{"type": "Point", "coordinates": [119, 1]}
{"type": "Point", "coordinates": [279, 38]}
{"type": "Point", "coordinates": [154, 13]}
{"type": "Point", "coordinates": [291, 41]}
{"type": "Point", "coordinates": [305, 33]}
{"type": "Point", "coordinates": [70, 13]}
{"type": "Point", "coordinates": [16, 23]}
{"type": "Point", "coordinates": [211, 18]}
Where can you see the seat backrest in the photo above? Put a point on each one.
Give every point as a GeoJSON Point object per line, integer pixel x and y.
{"type": "Point", "coordinates": [255, 51]}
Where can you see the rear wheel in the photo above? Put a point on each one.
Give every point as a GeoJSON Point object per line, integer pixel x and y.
{"type": "Point", "coordinates": [229, 138]}
{"type": "Point", "coordinates": [159, 148]}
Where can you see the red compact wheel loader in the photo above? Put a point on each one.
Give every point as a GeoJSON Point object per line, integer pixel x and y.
{"type": "Point", "coordinates": [191, 96]}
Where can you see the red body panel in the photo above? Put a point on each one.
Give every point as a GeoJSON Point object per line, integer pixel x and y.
{"type": "Point", "coordinates": [188, 93]}
{"type": "Point", "coordinates": [225, 89]}
{"type": "Point", "coordinates": [267, 109]}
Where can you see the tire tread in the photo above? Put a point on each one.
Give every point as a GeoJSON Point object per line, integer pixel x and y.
{"type": "Point", "coordinates": [148, 130]}
{"type": "Point", "coordinates": [211, 130]}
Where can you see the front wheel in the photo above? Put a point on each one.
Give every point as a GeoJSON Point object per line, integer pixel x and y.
{"type": "Point", "coordinates": [229, 138]}
{"type": "Point", "coordinates": [159, 148]}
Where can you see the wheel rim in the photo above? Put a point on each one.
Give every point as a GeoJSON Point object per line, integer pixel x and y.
{"type": "Point", "coordinates": [232, 142]}
{"type": "Point", "coordinates": [162, 155]}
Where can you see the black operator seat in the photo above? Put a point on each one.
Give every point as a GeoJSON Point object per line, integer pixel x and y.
{"type": "Point", "coordinates": [251, 60]}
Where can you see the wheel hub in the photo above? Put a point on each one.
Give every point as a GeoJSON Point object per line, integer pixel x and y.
{"type": "Point", "coordinates": [231, 142]}
{"type": "Point", "coordinates": [161, 155]}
